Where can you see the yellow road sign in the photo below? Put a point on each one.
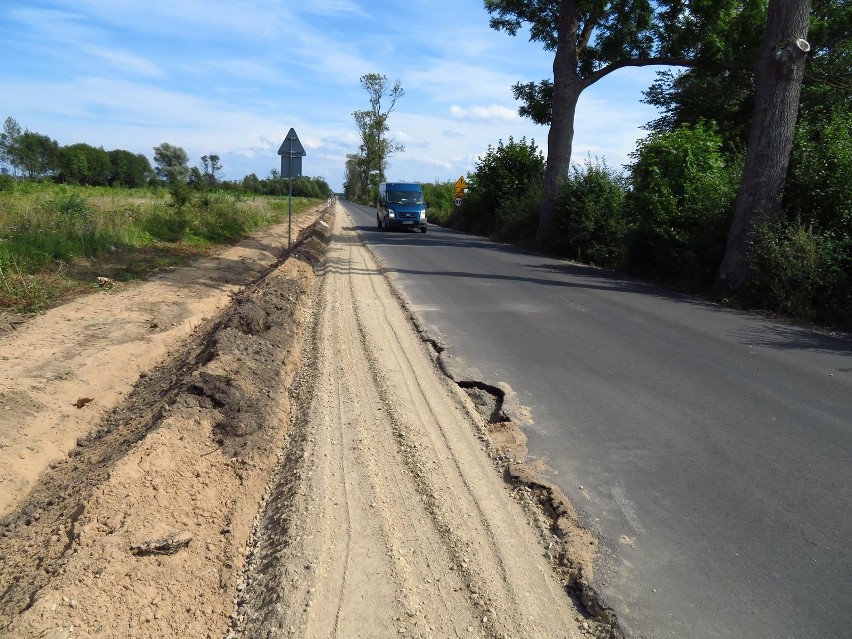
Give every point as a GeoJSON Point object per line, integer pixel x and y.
{"type": "Point", "coordinates": [460, 186]}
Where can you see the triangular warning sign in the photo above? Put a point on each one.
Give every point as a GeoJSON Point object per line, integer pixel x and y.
{"type": "Point", "coordinates": [291, 146]}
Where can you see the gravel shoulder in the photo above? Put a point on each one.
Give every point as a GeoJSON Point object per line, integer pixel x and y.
{"type": "Point", "coordinates": [270, 450]}
{"type": "Point", "coordinates": [388, 518]}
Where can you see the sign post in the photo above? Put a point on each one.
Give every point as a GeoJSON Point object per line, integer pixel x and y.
{"type": "Point", "coordinates": [291, 148]}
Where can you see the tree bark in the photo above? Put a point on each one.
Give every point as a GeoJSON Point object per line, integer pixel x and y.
{"type": "Point", "coordinates": [567, 86]}
{"type": "Point", "coordinates": [779, 71]}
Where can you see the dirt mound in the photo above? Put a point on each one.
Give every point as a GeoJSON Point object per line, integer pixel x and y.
{"type": "Point", "coordinates": [140, 531]}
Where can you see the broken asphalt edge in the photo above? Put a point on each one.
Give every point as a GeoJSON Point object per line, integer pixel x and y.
{"type": "Point", "coordinates": [553, 501]}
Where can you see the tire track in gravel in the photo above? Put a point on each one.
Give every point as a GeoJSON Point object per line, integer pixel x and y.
{"type": "Point", "coordinates": [387, 517]}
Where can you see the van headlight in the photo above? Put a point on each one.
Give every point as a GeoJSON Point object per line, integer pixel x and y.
{"type": "Point", "coordinates": [423, 214]}
{"type": "Point", "coordinates": [391, 213]}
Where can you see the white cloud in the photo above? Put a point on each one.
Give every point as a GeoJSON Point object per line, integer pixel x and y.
{"type": "Point", "coordinates": [490, 113]}
{"type": "Point", "coordinates": [232, 78]}
{"type": "Point", "coordinates": [124, 61]}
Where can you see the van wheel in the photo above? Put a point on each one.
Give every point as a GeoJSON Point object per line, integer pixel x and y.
{"type": "Point", "coordinates": [378, 221]}
{"type": "Point", "coordinates": [422, 229]}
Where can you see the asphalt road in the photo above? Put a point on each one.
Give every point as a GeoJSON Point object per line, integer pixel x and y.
{"type": "Point", "coordinates": [711, 450]}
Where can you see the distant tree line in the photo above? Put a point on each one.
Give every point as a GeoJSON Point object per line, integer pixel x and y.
{"type": "Point", "coordinates": [274, 184]}
{"type": "Point", "coordinates": [37, 156]}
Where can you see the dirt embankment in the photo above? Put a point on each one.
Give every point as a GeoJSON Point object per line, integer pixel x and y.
{"type": "Point", "coordinates": [294, 464]}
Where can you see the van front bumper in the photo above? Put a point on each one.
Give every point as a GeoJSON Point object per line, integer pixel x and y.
{"type": "Point", "coordinates": [393, 223]}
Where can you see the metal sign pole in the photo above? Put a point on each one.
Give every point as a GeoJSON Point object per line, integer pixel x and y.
{"type": "Point", "coordinates": [290, 197]}
{"type": "Point", "coordinates": [291, 152]}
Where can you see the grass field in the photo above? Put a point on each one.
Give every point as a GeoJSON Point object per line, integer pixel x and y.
{"type": "Point", "coordinates": [56, 240]}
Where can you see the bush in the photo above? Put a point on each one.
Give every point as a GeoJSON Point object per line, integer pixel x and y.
{"type": "Point", "coordinates": [591, 216]}
{"type": "Point", "coordinates": [680, 206]}
{"type": "Point", "coordinates": [169, 225]}
{"type": "Point", "coordinates": [504, 192]}
{"type": "Point", "coordinates": [818, 188]}
{"type": "Point", "coordinates": [799, 272]}
{"type": "Point", "coordinates": [221, 219]}
{"type": "Point", "coordinates": [181, 194]}
{"type": "Point", "coordinates": [516, 216]}
{"type": "Point", "coordinates": [440, 198]}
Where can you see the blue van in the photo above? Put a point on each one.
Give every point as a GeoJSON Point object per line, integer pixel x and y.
{"type": "Point", "coordinates": [401, 205]}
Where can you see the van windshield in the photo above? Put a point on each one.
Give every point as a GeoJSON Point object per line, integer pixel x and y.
{"type": "Point", "coordinates": [405, 197]}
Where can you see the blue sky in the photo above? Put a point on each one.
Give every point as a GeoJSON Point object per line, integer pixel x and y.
{"type": "Point", "coordinates": [231, 78]}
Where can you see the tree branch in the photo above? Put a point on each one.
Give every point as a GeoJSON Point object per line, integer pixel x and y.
{"type": "Point", "coordinates": [665, 61]}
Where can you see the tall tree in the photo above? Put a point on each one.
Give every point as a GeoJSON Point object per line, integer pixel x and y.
{"type": "Point", "coordinates": [211, 164]}
{"type": "Point", "coordinates": [372, 123]}
{"type": "Point", "coordinates": [129, 169]}
{"type": "Point", "coordinates": [355, 177]}
{"type": "Point", "coordinates": [8, 141]}
{"type": "Point", "coordinates": [171, 162]}
{"type": "Point", "coordinates": [814, 175]}
{"type": "Point", "coordinates": [593, 38]}
{"type": "Point", "coordinates": [35, 153]}
{"type": "Point", "coordinates": [779, 72]}
{"type": "Point", "coordinates": [82, 164]}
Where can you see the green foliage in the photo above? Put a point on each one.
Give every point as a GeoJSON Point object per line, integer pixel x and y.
{"type": "Point", "coordinates": [310, 187]}
{"type": "Point", "coordinates": [440, 199]}
{"type": "Point", "coordinates": [802, 265]}
{"type": "Point", "coordinates": [606, 33]}
{"type": "Point", "coordinates": [681, 202]}
{"type": "Point", "coordinates": [365, 170]}
{"type": "Point", "coordinates": [800, 272]}
{"type": "Point", "coordinates": [71, 205]}
{"type": "Point", "coordinates": [723, 97]}
{"type": "Point", "coordinates": [251, 184]}
{"type": "Point", "coordinates": [828, 84]}
{"type": "Point", "coordinates": [82, 164]}
{"type": "Point", "coordinates": [48, 230]}
{"type": "Point", "coordinates": [211, 164]}
{"type": "Point", "coordinates": [504, 191]}
{"type": "Point", "coordinates": [819, 188]}
{"type": "Point", "coordinates": [591, 215]}
{"type": "Point", "coordinates": [221, 219]}
{"type": "Point", "coordinates": [814, 234]}
{"type": "Point", "coordinates": [516, 217]}
{"type": "Point", "coordinates": [131, 170]}
{"type": "Point", "coordinates": [181, 194]}
{"type": "Point", "coordinates": [37, 155]}
{"type": "Point", "coordinates": [357, 186]}
{"type": "Point", "coordinates": [34, 153]}
{"type": "Point", "coordinates": [8, 142]}
{"type": "Point", "coordinates": [171, 162]}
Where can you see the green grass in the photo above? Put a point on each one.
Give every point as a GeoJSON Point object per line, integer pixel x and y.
{"type": "Point", "coordinates": [55, 240]}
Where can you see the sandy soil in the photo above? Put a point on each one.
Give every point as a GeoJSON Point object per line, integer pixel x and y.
{"type": "Point", "coordinates": [260, 446]}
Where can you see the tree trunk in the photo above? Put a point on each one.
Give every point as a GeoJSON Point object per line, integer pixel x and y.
{"type": "Point", "coordinates": [779, 71]}
{"type": "Point", "coordinates": [567, 86]}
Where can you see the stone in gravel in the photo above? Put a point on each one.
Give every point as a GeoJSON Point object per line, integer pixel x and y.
{"type": "Point", "coordinates": [166, 545]}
